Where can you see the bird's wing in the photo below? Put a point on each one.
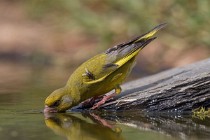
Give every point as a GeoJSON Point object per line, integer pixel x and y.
{"type": "Point", "coordinates": [118, 55]}
{"type": "Point", "coordinates": [99, 70]}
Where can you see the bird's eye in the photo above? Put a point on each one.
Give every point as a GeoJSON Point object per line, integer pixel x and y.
{"type": "Point", "coordinates": [56, 103]}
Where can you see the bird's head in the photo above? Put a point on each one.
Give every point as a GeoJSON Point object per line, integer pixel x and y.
{"type": "Point", "coordinates": [58, 101]}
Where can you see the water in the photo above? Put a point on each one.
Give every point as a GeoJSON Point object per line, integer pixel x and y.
{"type": "Point", "coordinates": [23, 90]}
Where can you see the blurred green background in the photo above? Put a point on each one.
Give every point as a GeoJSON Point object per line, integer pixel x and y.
{"type": "Point", "coordinates": [63, 33]}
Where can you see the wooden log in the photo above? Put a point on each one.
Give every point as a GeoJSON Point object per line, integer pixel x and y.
{"type": "Point", "coordinates": [176, 90]}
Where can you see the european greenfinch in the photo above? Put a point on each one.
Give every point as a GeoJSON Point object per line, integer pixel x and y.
{"type": "Point", "coordinates": [99, 75]}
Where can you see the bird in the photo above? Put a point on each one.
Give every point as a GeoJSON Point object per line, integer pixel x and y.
{"type": "Point", "coordinates": [99, 75]}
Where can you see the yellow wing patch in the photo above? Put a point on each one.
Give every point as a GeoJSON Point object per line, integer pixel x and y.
{"type": "Point", "coordinates": [126, 59]}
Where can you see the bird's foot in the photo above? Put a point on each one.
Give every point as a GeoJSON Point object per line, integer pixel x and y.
{"type": "Point", "coordinates": [91, 101]}
{"type": "Point", "coordinates": [104, 99]}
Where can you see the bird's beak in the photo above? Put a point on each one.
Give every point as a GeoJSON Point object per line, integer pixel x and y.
{"type": "Point", "coordinates": [48, 109]}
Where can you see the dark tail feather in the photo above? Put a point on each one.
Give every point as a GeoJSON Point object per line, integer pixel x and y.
{"type": "Point", "coordinates": [138, 40]}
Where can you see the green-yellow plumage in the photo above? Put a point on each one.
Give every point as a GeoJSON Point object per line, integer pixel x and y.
{"type": "Point", "coordinates": [100, 74]}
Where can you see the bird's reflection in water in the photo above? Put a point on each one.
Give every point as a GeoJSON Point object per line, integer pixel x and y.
{"type": "Point", "coordinates": [79, 127]}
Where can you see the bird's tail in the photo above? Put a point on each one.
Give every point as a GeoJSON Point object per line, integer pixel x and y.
{"type": "Point", "coordinates": [125, 51]}
{"type": "Point", "coordinates": [149, 34]}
